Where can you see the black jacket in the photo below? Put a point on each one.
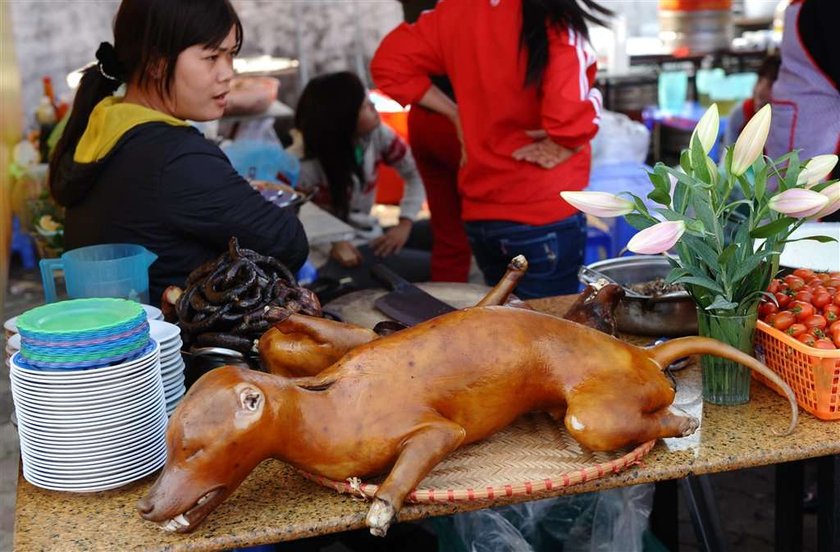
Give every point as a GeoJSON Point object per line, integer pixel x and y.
{"type": "Point", "coordinates": [170, 190]}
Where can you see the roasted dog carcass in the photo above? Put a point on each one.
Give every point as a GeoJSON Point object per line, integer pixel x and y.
{"type": "Point", "coordinates": [399, 404]}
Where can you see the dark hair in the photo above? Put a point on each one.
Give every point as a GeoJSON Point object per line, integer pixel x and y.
{"type": "Point", "coordinates": [327, 115]}
{"type": "Point", "coordinates": [769, 68]}
{"type": "Point", "coordinates": [537, 15]}
{"type": "Point", "coordinates": [149, 35]}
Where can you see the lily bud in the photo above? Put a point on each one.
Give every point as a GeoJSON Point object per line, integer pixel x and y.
{"type": "Point", "coordinates": [707, 129]}
{"type": "Point", "coordinates": [600, 204]}
{"type": "Point", "coordinates": [658, 238]}
{"type": "Point", "coordinates": [832, 192]}
{"type": "Point", "coordinates": [798, 202]}
{"type": "Point", "coordinates": [713, 170]}
{"type": "Point", "coordinates": [750, 143]}
{"type": "Point", "coordinates": [816, 169]}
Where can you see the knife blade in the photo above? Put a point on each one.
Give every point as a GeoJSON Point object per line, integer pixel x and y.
{"type": "Point", "coordinates": [406, 302]}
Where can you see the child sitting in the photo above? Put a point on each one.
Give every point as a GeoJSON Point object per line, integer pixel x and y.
{"type": "Point", "coordinates": [344, 142]}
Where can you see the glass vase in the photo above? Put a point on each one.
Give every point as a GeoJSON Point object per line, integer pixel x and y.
{"type": "Point", "coordinates": [726, 382]}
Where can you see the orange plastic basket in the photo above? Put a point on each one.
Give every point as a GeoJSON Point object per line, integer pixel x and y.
{"type": "Point", "coordinates": [813, 374]}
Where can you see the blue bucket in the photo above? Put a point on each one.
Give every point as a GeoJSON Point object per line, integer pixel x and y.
{"type": "Point", "coordinates": [108, 270]}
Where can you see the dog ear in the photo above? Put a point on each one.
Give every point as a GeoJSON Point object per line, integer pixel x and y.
{"type": "Point", "coordinates": [250, 399]}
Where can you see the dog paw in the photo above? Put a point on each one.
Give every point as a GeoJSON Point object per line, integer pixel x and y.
{"type": "Point", "coordinates": [380, 516]}
{"type": "Point", "coordinates": [689, 426]}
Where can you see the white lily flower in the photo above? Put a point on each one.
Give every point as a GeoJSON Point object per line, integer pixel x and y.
{"type": "Point", "coordinates": [816, 169]}
{"type": "Point", "coordinates": [599, 204]}
{"type": "Point", "coordinates": [832, 192]}
{"type": "Point", "coordinates": [798, 202]}
{"type": "Point", "coordinates": [707, 129]}
{"type": "Point", "coordinates": [750, 143]}
{"type": "Point", "coordinates": [657, 238]}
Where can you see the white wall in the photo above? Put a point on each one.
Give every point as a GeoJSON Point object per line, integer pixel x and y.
{"type": "Point", "coordinates": [55, 37]}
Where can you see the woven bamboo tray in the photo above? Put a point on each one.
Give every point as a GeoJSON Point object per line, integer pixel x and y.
{"type": "Point", "coordinates": [533, 455]}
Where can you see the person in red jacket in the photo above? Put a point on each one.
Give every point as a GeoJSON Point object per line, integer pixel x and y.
{"type": "Point", "coordinates": [522, 71]}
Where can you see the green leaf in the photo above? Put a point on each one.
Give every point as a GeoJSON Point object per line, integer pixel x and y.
{"type": "Point", "coordinates": [685, 161]}
{"type": "Point", "coordinates": [749, 265]}
{"type": "Point", "coordinates": [721, 303]}
{"type": "Point", "coordinates": [821, 239]}
{"type": "Point", "coordinates": [661, 186]}
{"type": "Point", "coordinates": [639, 222]}
{"type": "Point", "coordinates": [706, 283]}
{"type": "Point", "coordinates": [727, 254]}
{"type": "Point", "coordinates": [703, 252]}
{"type": "Point", "coordinates": [772, 228]}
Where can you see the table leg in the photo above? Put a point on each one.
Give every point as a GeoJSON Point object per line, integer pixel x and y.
{"type": "Point", "coordinates": [664, 519]}
{"type": "Point", "coordinates": [697, 490]}
{"type": "Point", "coordinates": [828, 504]}
{"type": "Point", "coordinates": [790, 478]}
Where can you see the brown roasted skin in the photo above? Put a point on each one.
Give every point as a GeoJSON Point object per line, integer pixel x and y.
{"type": "Point", "coordinates": [304, 345]}
{"type": "Point", "coordinates": [400, 404]}
{"type": "Point", "coordinates": [301, 345]}
{"type": "Point", "coordinates": [595, 307]}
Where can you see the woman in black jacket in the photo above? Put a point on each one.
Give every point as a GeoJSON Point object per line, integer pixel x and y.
{"type": "Point", "coordinates": [132, 170]}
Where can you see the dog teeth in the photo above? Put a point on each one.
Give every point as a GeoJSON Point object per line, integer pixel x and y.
{"type": "Point", "coordinates": [203, 499]}
{"type": "Point", "coordinates": [170, 526]}
{"type": "Point", "coordinates": [181, 520]}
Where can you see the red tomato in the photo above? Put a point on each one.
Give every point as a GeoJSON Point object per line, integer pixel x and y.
{"type": "Point", "coordinates": [835, 337]}
{"type": "Point", "coordinates": [804, 273]}
{"type": "Point", "coordinates": [835, 274]}
{"type": "Point", "coordinates": [833, 282]}
{"type": "Point", "coordinates": [795, 283]}
{"type": "Point", "coordinates": [783, 299]}
{"type": "Point", "coordinates": [802, 310]}
{"type": "Point", "coordinates": [783, 320]}
{"type": "Point", "coordinates": [834, 326]}
{"type": "Point", "coordinates": [821, 299]}
{"type": "Point", "coordinates": [824, 343]}
{"type": "Point", "coordinates": [796, 329]}
{"type": "Point", "coordinates": [768, 308]}
{"type": "Point", "coordinates": [804, 296]}
{"type": "Point", "coordinates": [831, 313]}
{"type": "Point", "coordinates": [775, 285]}
{"type": "Point", "coordinates": [807, 339]}
{"type": "Point", "coordinates": [819, 333]}
{"type": "Point", "coordinates": [836, 299]}
{"type": "Point", "coordinates": [816, 321]}
{"type": "Point", "coordinates": [822, 276]}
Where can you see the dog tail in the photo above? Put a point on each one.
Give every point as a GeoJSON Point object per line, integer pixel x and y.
{"type": "Point", "coordinates": [667, 352]}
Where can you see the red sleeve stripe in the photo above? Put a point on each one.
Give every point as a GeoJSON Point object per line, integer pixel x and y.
{"type": "Point", "coordinates": [396, 151]}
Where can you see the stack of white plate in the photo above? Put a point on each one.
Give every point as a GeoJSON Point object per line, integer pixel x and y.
{"type": "Point", "coordinates": [152, 313]}
{"type": "Point", "coordinates": [171, 362]}
{"type": "Point", "coordinates": [90, 430]}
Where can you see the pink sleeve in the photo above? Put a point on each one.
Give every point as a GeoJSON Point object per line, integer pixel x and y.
{"type": "Point", "coordinates": [406, 58]}
{"type": "Point", "coordinates": [571, 107]}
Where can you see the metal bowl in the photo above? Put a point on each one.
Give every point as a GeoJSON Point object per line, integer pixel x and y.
{"type": "Point", "coordinates": [670, 315]}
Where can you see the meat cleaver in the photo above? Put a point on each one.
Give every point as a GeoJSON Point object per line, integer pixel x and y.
{"type": "Point", "coordinates": [406, 303]}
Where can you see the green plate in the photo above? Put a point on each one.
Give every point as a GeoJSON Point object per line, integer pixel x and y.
{"type": "Point", "coordinates": [79, 315]}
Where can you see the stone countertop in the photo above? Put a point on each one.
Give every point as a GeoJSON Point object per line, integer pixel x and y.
{"type": "Point", "coordinates": [275, 503]}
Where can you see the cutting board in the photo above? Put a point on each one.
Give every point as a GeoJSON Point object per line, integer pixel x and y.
{"type": "Point", "coordinates": [357, 307]}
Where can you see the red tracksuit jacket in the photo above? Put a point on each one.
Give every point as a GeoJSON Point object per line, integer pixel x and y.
{"type": "Point", "coordinates": [476, 43]}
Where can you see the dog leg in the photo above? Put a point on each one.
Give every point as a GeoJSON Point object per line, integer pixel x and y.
{"type": "Point", "coordinates": [614, 424]}
{"type": "Point", "coordinates": [516, 269]}
{"type": "Point", "coordinates": [421, 452]}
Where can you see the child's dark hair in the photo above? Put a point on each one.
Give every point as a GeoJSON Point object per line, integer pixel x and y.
{"type": "Point", "coordinates": [327, 116]}
{"type": "Point", "coordinates": [769, 68]}
{"type": "Point", "coordinates": [149, 35]}
{"type": "Point", "coordinates": [537, 15]}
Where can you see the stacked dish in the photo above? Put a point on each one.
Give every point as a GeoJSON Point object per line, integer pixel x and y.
{"type": "Point", "coordinates": [90, 430]}
{"type": "Point", "coordinates": [152, 313]}
{"type": "Point", "coordinates": [171, 362]}
{"type": "Point", "coordinates": [82, 334]}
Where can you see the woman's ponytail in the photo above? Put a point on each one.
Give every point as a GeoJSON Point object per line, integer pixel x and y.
{"type": "Point", "coordinates": [98, 82]}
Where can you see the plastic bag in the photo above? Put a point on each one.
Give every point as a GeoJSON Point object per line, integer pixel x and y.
{"type": "Point", "coordinates": [615, 519]}
{"type": "Point", "coordinates": [263, 160]}
{"type": "Point", "coordinates": [619, 140]}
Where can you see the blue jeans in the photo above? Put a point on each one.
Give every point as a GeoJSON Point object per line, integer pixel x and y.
{"type": "Point", "coordinates": [554, 252]}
